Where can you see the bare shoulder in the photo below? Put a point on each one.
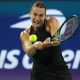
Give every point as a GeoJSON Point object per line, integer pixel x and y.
{"type": "Point", "coordinates": [52, 25]}
{"type": "Point", "coordinates": [52, 20]}
{"type": "Point", "coordinates": [25, 34]}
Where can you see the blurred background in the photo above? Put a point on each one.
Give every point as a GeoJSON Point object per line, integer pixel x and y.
{"type": "Point", "coordinates": [14, 18]}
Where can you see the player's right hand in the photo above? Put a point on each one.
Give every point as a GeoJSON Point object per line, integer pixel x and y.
{"type": "Point", "coordinates": [39, 45]}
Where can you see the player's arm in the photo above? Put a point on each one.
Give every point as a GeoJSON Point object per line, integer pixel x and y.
{"type": "Point", "coordinates": [53, 27]}
{"type": "Point", "coordinates": [28, 48]}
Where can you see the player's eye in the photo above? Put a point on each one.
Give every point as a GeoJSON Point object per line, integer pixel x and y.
{"type": "Point", "coordinates": [35, 14]}
{"type": "Point", "coordinates": [41, 15]}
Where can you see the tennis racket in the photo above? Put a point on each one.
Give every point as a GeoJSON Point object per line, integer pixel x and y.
{"type": "Point", "coordinates": [67, 29]}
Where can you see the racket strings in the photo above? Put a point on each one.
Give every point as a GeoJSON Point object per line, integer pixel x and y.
{"type": "Point", "coordinates": [70, 26]}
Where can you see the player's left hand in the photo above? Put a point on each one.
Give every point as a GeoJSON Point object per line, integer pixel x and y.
{"type": "Point", "coordinates": [48, 43]}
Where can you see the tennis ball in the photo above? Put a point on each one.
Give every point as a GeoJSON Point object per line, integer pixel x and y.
{"type": "Point", "coordinates": [32, 38]}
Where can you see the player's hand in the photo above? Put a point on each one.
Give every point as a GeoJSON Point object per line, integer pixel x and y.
{"type": "Point", "coordinates": [47, 42]}
{"type": "Point", "coordinates": [39, 45]}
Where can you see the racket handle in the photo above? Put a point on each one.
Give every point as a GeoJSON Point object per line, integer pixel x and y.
{"type": "Point", "coordinates": [52, 37]}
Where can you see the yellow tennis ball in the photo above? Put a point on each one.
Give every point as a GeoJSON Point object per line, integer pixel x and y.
{"type": "Point", "coordinates": [32, 38]}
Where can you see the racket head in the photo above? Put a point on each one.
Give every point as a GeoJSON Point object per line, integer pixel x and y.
{"type": "Point", "coordinates": [68, 28]}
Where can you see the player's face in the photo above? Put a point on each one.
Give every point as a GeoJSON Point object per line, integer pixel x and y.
{"type": "Point", "coordinates": [37, 16]}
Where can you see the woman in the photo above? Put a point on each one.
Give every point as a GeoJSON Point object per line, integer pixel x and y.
{"type": "Point", "coordinates": [48, 63]}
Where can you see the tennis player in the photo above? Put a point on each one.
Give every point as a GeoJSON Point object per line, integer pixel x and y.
{"type": "Point", "coordinates": [48, 63]}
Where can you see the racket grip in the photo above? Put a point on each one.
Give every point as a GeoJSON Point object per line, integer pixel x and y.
{"type": "Point", "coordinates": [52, 37]}
{"type": "Point", "coordinates": [49, 39]}
{"type": "Point", "coordinates": [58, 37]}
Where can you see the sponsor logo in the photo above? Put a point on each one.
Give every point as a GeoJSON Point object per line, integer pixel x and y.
{"type": "Point", "coordinates": [71, 58]}
{"type": "Point", "coordinates": [26, 23]}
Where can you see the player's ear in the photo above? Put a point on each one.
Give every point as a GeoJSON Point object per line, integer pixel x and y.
{"type": "Point", "coordinates": [30, 14]}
